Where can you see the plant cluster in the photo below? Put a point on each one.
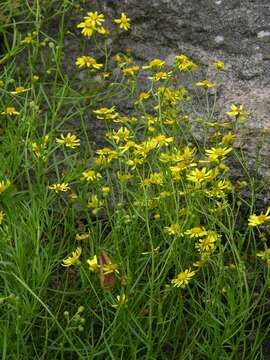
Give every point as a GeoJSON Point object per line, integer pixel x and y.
{"type": "Point", "coordinates": [148, 235]}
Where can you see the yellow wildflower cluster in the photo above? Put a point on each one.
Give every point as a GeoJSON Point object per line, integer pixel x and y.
{"type": "Point", "coordinates": [92, 23]}
{"type": "Point", "coordinates": [150, 170]}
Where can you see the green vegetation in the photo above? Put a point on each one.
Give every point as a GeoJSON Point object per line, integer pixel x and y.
{"type": "Point", "coordinates": [137, 245]}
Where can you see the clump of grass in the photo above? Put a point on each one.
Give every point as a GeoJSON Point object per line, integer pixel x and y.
{"type": "Point", "coordinates": [143, 248]}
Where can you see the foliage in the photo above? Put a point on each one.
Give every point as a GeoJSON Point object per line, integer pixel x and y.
{"type": "Point", "coordinates": [145, 247]}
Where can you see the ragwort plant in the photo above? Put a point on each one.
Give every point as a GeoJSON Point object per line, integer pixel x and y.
{"type": "Point", "coordinates": [144, 239]}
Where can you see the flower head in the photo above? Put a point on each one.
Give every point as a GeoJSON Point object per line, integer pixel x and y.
{"type": "Point", "coordinates": [121, 300]}
{"type": "Point", "coordinates": [196, 232]}
{"type": "Point", "coordinates": [92, 22]}
{"type": "Point", "coordinates": [90, 175]}
{"type": "Point", "coordinates": [70, 141]}
{"type": "Point", "coordinates": [19, 90]}
{"type": "Point", "coordinates": [73, 259]}
{"type": "Point", "coordinates": [207, 244]}
{"type": "Point", "coordinates": [183, 278]}
{"type": "Point", "coordinates": [256, 220]}
{"type": "Point", "coordinates": [123, 22]}
{"type": "Point", "coordinates": [173, 229]}
{"type": "Point", "coordinates": [265, 255]}
{"type": "Point", "coordinates": [214, 154]}
{"type": "Point", "coordinates": [200, 176]}
{"type": "Point", "coordinates": [82, 236]}
{"type": "Point", "coordinates": [4, 185]}
{"type": "Point", "coordinates": [110, 268]}
{"type": "Point", "coordinates": [59, 187]}
{"type": "Point", "coordinates": [238, 112]}
{"type": "Point", "coordinates": [88, 61]}
{"type": "Point", "coordinates": [219, 65]}
{"type": "Point", "coordinates": [106, 113]}
{"type": "Point", "coordinates": [93, 264]}
{"type": "Point", "coordinates": [183, 63]}
{"type": "Point", "coordinates": [154, 64]}
{"type": "Point", "coordinates": [131, 70]}
{"type": "Point", "coordinates": [10, 111]}
{"type": "Point", "coordinates": [205, 84]}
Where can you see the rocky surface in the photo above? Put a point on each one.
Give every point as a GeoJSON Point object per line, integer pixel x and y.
{"type": "Point", "coordinates": [235, 31]}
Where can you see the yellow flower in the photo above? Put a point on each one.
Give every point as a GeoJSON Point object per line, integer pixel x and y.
{"type": "Point", "coordinates": [121, 300]}
{"type": "Point", "coordinates": [122, 134]}
{"type": "Point", "coordinates": [110, 269]}
{"type": "Point", "coordinates": [154, 64]}
{"type": "Point", "coordinates": [183, 278]}
{"type": "Point", "coordinates": [154, 179]}
{"type": "Point", "coordinates": [59, 187]}
{"type": "Point", "coordinates": [2, 215]}
{"type": "Point", "coordinates": [199, 176]}
{"type": "Point", "coordinates": [106, 155]}
{"type": "Point", "coordinates": [10, 111]}
{"type": "Point", "coordinates": [105, 190]}
{"type": "Point", "coordinates": [205, 83]}
{"type": "Point", "coordinates": [36, 149]}
{"type": "Point", "coordinates": [265, 255]}
{"type": "Point", "coordinates": [183, 63]}
{"type": "Point", "coordinates": [160, 76]}
{"type": "Point", "coordinates": [92, 22]}
{"type": "Point", "coordinates": [131, 70]}
{"type": "Point", "coordinates": [196, 232]}
{"type": "Point", "coordinates": [256, 220]}
{"type": "Point", "coordinates": [94, 18]}
{"type": "Point", "coordinates": [19, 90]}
{"type": "Point", "coordinates": [215, 153]}
{"type": "Point", "coordinates": [106, 113]}
{"type": "Point", "coordinates": [124, 177]}
{"type": "Point", "coordinates": [105, 75]}
{"type": "Point", "coordinates": [208, 243]}
{"type": "Point", "coordinates": [143, 96]}
{"type": "Point", "coordinates": [70, 141]}
{"type": "Point", "coordinates": [94, 202]}
{"type": "Point", "coordinates": [88, 61]}
{"type": "Point", "coordinates": [82, 236]}
{"type": "Point", "coordinates": [237, 112]}
{"type": "Point", "coordinates": [219, 65]}
{"type": "Point", "coordinates": [204, 257]}
{"type": "Point", "coordinates": [73, 196]}
{"type": "Point", "coordinates": [4, 185]}
{"type": "Point", "coordinates": [124, 22]}
{"type": "Point", "coordinates": [228, 138]}
{"type": "Point", "coordinates": [73, 259]}
{"type": "Point", "coordinates": [173, 229]}
{"type": "Point", "coordinates": [90, 175]}
{"type": "Point", "coordinates": [93, 264]}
